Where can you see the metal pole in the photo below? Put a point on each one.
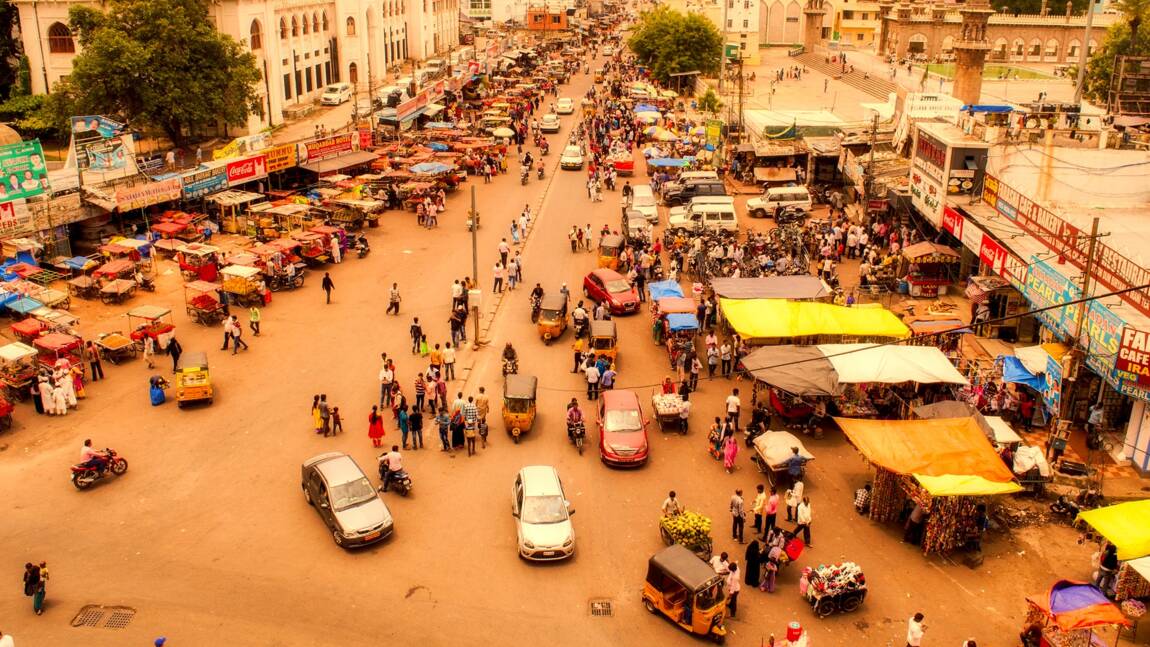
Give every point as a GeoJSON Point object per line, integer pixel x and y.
{"type": "Point", "coordinates": [474, 213]}
{"type": "Point", "coordinates": [869, 169]}
{"type": "Point", "coordinates": [1086, 279]}
{"type": "Point", "coordinates": [1084, 54]}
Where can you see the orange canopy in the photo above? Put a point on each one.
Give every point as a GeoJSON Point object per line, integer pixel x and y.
{"type": "Point", "coordinates": [929, 448]}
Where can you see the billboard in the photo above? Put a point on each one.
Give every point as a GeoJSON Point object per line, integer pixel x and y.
{"type": "Point", "coordinates": [23, 173]}
{"type": "Point", "coordinates": [102, 149]}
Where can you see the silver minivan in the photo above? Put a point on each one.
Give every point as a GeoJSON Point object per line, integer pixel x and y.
{"type": "Point", "coordinates": [542, 515]}
{"type": "Point", "coordinates": [779, 196]}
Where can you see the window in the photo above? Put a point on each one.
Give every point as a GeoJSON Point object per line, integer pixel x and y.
{"type": "Point", "coordinates": [352, 73]}
{"type": "Point", "coordinates": [287, 86]}
{"type": "Point", "coordinates": [555, 20]}
{"type": "Point", "coordinates": [746, 23]}
{"type": "Point", "coordinates": [60, 39]}
{"type": "Point", "coordinates": [294, 26]}
{"type": "Point", "coordinates": [315, 23]}
{"type": "Point", "coordinates": [307, 78]}
{"type": "Point", "coordinates": [283, 28]}
{"type": "Point", "coordinates": [730, 23]}
{"type": "Point", "coordinates": [256, 39]}
{"type": "Point", "coordinates": [324, 18]}
{"type": "Point", "coordinates": [318, 74]}
{"type": "Point", "coordinates": [848, 15]}
{"type": "Point", "coordinates": [350, 26]}
{"type": "Point", "coordinates": [858, 37]}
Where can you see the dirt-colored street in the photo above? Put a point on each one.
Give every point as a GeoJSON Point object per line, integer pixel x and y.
{"type": "Point", "coordinates": [208, 536]}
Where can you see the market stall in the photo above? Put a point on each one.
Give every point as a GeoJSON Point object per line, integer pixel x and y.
{"type": "Point", "coordinates": [18, 368]}
{"type": "Point", "coordinates": [243, 285]}
{"type": "Point", "coordinates": [944, 467]}
{"type": "Point", "coordinates": [202, 303]}
{"type": "Point", "coordinates": [778, 321]}
{"type": "Point", "coordinates": [931, 267]}
{"type": "Point", "coordinates": [232, 208]}
{"type": "Point", "coordinates": [1074, 614]}
{"type": "Point", "coordinates": [801, 287]}
{"type": "Point", "coordinates": [1126, 526]}
{"type": "Point", "coordinates": [56, 346]}
{"type": "Point", "coordinates": [198, 261]}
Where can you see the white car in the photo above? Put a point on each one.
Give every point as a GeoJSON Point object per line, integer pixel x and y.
{"type": "Point", "coordinates": [542, 515]}
{"type": "Point", "coordinates": [549, 123]}
{"type": "Point", "coordinates": [565, 106]}
{"type": "Point", "coordinates": [572, 158]}
{"type": "Point", "coordinates": [608, 50]}
{"type": "Point", "coordinates": [335, 94]}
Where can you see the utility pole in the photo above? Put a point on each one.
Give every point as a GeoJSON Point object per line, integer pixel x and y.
{"type": "Point", "coordinates": [869, 175]}
{"type": "Point", "coordinates": [742, 135]}
{"type": "Point", "coordinates": [1084, 54]}
{"type": "Point", "coordinates": [474, 213]}
{"type": "Point", "coordinates": [1086, 280]}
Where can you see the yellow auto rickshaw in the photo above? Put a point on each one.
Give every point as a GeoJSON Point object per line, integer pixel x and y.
{"type": "Point", "coordinates": [519, 403]}
{"type": "Point", "coordinates": [552, 317]}
{"type": "Point", "coordinates": [687, 590]}
{"type": "Point", "coordinates": [604, 341]}
{"type": "Point", "coordinates": [193, 381]}
{"type": "Point", "coordinates": [610, 246]}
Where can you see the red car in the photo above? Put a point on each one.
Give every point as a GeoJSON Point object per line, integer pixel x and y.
{"type": "Point", "coordinates": [622, 429]}
{"type": "Point", "coordinates": [613, 288]}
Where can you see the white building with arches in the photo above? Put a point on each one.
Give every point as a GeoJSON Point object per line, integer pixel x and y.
{"type": "Point", "coordinates": [300, 45]}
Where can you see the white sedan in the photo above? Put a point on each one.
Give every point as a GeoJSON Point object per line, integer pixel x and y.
{"type": "Point", "coordinates": [549, 123]}
{"type": "Point", "coordinates": [572, 158]}
{"type": "Point", "coordinates": [542, 515]}
{"type": "Point", "coordinates": [565, 106]}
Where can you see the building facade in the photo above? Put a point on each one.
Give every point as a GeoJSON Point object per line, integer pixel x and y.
{"type": "Point", "coordinates": [300, 45]}
{"type": "Point", "coordinates": [738, 20]}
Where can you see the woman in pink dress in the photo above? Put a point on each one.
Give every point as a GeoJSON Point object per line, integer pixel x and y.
{"type": "Point", "coordinates": [375, 427]}
{"type": "Point", "coordinates": [730, 451]}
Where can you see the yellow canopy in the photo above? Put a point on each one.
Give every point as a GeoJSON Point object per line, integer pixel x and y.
{"type": "Point", "coordinates": [774, 318]}
{"type": "Point", "coordinates": [948, 456]}
{"type": "Point", "coordinates": [1126, 525]}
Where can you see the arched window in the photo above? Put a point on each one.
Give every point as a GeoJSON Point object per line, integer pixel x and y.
{"type": "Point", "coordinates": [283, 28]}
{"type": "Point", "coordinates": [294, 26]}
{"type": "Point", "coordinates": [257, 37]}
{"type": "Point", "coordinates": [60, 39]}
{"type": "Point", "coordinates": [315, 22]}
{"type": "Point", "coordinates": [350, 26]}
{"type": "Point", "coordinates": [352, 72]}
{"type": "Point", "coordinates": [324, 16]}
{"type": "Point", "coordinates": [305, 24]}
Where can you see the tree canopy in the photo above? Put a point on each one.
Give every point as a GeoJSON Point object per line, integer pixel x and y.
{"type": "Point", "coordinates": [1100, 67]}
{"type": "Point", "coordinates": [9, 50]}
{"type": "Point", "coordinates": [159, 63]}
{"type": "Point", "coordinates": [668, 42]}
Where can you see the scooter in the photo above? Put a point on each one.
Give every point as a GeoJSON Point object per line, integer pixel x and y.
{"type": "Point", "coordinates": [577, 433]}
{"type": "Point", "coordinates": [544, 147]}
{"type": "Point", "coordinates": [400, 482]}
{"type": "Point", "coordinates": [539, 171]}
{"type": "Point", "coordinates": [84, 475]}
{"type": "Point", "coordinates": [362, 247]}
{"type": "Point", "coordinates": [536, 308]}
{"type": "Point", "coordinates": [1065, 509]}
{"type": "Point", "coordinates": [146, 284]}
{"type": "Point", "coordinates": [580, 328]}
{"type": "Point", "coordinates": [524, 175]}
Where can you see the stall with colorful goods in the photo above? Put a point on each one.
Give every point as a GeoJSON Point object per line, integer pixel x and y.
{"type": "Point", "coordinates": [1126, 527]}
{"type": "Point", "coordinates": [935, 475]}
{"type": "Point", "coordinates": [1074, 614]}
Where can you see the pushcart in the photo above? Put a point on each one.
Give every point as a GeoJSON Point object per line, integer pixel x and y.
{"type": "Point", "coordinates": [772, 451]}
{"type": "Point", "coordinates": [202, 305]}
{"type": "Point", "coordinates": [28, 329]}
{"type": "Point", "coordinates": [689, 529]}
{"type": "Point", "coordinates": [56, 346]}
{"type": "Point", "coordinates": [667, 407]}
{"type": "Point", "coordinates": [18, 369]}
{"type": "Point", "coordinates": [834, 588]}
{"type": "Point", "coordinates": [242, 282]}
{"type": "Point", "coordinates": [83, 287]}
{"type": "Point", "coordinates": [150, 321]}
{"type": "Point", "coordinates": [117, 291]}
{"type": "Point", "coordinates": [115, 347]}
{"type": "Point", "coordinates": [53, 298]}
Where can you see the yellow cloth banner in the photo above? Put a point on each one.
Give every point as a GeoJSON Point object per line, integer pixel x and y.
{"type": "Point", "coordinates": [775, 318]}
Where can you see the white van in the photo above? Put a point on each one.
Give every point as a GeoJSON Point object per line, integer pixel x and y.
{"type": "Point", "coordinates": [435, 65]}
{"type": "Point", "coordinates": [779, 196]}
{"type": "Point", "coordinates": [643, 201]}
{"type": "Point", "coordinates": [712, 213]}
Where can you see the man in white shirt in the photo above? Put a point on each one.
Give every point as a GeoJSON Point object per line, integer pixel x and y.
{"type": "Point", "coordinates": [592, 373]}
{"type": "Point", "coordinates": [671, 505]}
{"type": "Point", "coordinates": [733, 407]}
{"type": "Point", "coordinates": [719, 563]}
{"type": "Point", "coordinates": [684, 413]}
{"type": "Point", "coordinates": [386, 377]}
{"type": "Point", "coordinates": [6, 640]}
{"type": "Point", "coordinates": [914, 631]}
{"type": "Point", "coordinates": [389, 463]}
{"type": "Point", "coordinates": [449, 362]}
{"type": "Point", "coordinates": [92, 457]}
{"type": "Point", "coordinates": [803, 521]}
{"type": "Point", "coordinates": [456, 294]}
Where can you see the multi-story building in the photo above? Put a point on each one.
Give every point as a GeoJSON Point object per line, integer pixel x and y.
{"type": "Point", "coordinates": [738, 20]}
{"type": "Point", "coordinates": [300, 45]}
{"type": "Point", "coordinates": [850, 23]}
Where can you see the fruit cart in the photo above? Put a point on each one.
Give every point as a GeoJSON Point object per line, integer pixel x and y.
{"type": "Point", "coordinates": [202, 305]}
{"type": "Point", "coordinates": [667, 407]}
{"type": "Point", "coordinates": [198, 261]}
{"type": "Point", "coordinates": [690, 529]}
{"type": "Point", "coordinates": [18, 369]}
{"type": "Point", "coordinates": [772, 451]}
{"type": "Point", "coordinates": [242, 284]}
{"type": "Point", "coordinates": [150, 321]}
{"type": "Point", "coordinates": [115, 347]}
{"type": "Point", "coordinates": [833, 588]}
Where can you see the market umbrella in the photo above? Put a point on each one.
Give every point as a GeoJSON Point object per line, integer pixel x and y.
{"type": "Point", "coordinates": [664, 135]}
{"type": "Point", "coordinates": [648, 116]}
{"type": "Point", "coordinates": [438, 146]}
{"type": "Point", "coordinates": [646, 107]}
{"type": "Point", "coordinates": [503, 132]}
{"type": "Point", "coordinates": [431, 168]}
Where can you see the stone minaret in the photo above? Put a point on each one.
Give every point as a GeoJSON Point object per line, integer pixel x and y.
{"type": "Point", "coordinates": [970, 51]}
{"type": "Point", "coordinates": [814, 11]}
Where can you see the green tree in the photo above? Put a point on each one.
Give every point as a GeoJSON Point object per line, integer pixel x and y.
{"type": "Point", "coordinates": [709, 102]}
{"type": "Point", "coordinates": [159, 63]}
{"type": "Point", "coordinates": [1134, 11]}
{"type": "Point", "coordinates": [1100, 66]}
{"type": "Point", "coordinates": [668, 42]}
{"type": "Point", "coordinates": [9, 50]}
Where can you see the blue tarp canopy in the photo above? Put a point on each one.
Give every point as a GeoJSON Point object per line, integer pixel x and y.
{"type": "Point", "coordinates": [646, 107]}
{"type": "Point", "coordinates": [987, 108]}
{"type": "Point", "coordinates": [79, 263]}
{"type": "Point", "coordinates": [669, 161]}
{"type": "Point", "coordinates": [1014, 371]}
{"type": "Point", "coordinates": [7, 297]}
{"type": "Point", "coordinates": [24, 305]}
{"type": "Point", "coordinates": [438, 147]}
{"type": "Point", "coordinates": [431, 168]}
{"type": "Point", "coordinates": [661, 289]}
{"type": "Point", "coordinates": [678, 321]}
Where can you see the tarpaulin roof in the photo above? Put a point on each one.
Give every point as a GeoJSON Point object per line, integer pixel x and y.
{"type": "Point", "coordinates": [773, 318]}
{"type": "Point", "coordinates": [1124, 525]}
{"type": "Point", "coordinates": [1013, 370]}
{"type": "Point", "coordinates": [660, 289]}
{"type": "Point", "coordinates": [771, 287]}
{"type": "Point", "coordinates": [802, 370]}
{"type": "Point", "coordinates": [995, 428]}
{"type": "Point", "coordinates": [1077, 605]}
{"type": "Point", "coordinates": [859, 363]}
{"type": "Point", "coordinates": [948, 456]}
{"type": "Point", "coordinates": [1142, 566]}
{"type": "Point", "coordinates": [678, 321]}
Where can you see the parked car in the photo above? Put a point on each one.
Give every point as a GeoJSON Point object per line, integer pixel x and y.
{"type": "Point", "coordinates": [622, 429]}
{"type": "Point", "coordinates": [549, 123]}
{"type": "Point", "coordinates": [565, 106]}
{"type": "Point", "coordinates": [707, 213]}
{"type": "Point", "coordinates": [572, 158]}
{"type": "Point", "coordinates": [604, 285]}
{"type": "Point", "coordinates": [797, 198]}
{"type": "Point", "coordinates": [542, 515]}
{"type": "Point", "coordinates": [346, 500]}
{"type": "Point", "coordinates": [335, 94]}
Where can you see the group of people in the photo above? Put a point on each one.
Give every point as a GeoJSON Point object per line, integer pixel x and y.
{"type": "Point", "coordinates": [58, 389]}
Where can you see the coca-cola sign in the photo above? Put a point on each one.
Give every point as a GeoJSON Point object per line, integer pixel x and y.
{"type": "Point", "coordinates": [247, 169]}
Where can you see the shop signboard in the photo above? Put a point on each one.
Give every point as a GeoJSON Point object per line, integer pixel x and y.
{"type": "Point", "coordinates": [953, 222]}
{"type": "Point", "coordinates": [1052, 395]}
{"type": "Point", "coordinates": [247, 170]}
{"type": "Point", "coordinates": [1046, 287]}
{"type": "Point", "coordinates": [1133, 360]}
{"type": "Point", "coordinates": [15, 219]}
{"type": "Point", "coordinates": [326, 148]}
{"type": "Point", "coordinates": [926, 194]}
{"type": "Point", "coordinates": [205, 181]}
{"type": "Point", "coordinates": [280, 157]}
{"type": "Point", "coordinates": [714, 132]}
{"type": "Point", "coordinates": [1102, 336]}
{"type": "Point", "coordinates": [148, 193]}
{"type": "Point", "coordinates": [23, 173]}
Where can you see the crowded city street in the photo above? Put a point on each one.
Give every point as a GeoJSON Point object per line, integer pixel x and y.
{"type": "Point", "coordinates": [209, 538]}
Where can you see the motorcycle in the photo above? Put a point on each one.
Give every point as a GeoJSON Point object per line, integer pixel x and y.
{"type": "Point", "coordinates": [400, 482]}
{"type": "Point", "coordinates": [524, 176]}
{"type": "Point", "coordinates": [362, 247]}
{"type": "Point", "coordinates": [577, 433]}
{"type": "Point", "coordinates": [544, 147]}
{"type": "Point", "coordinates": [536, 308]}
{"type": "Point", "coordinates": [84, 475]}
{"type": "Point", "coordinates": [539, 171]}
{"type": "Point", "coordinates": [510, 366]}
{"type": "Point", "coordinates": [1066, 509]}
{"type": "Point", "coordinates": [580, 328]}
{"type": "Point", "coordinates": [146, 284]}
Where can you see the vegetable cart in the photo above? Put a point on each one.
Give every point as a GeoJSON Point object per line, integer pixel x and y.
{"type": "Point", "coordinates": [150, 321]}
{"type": "Point", "coordinates": [667, 407]}
{"type": "Point", "coordinates": [834, 588]}
{"type": "Point", "coordinates": [689, 529]}
{"type": "Point", "coordinates": [18, 369]}
{"type": "Point", "coordinates": [202, 305]}
{"type": "Point", "coordinates": [241, 282]}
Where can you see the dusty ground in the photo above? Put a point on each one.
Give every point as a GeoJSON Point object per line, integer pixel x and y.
{"type": "Point", "coordinates": [209, 538]}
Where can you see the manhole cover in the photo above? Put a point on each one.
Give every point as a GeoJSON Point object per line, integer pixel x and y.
{"type": "Point", "coordinates": [98, 616]}
{"type": "Point", "coordinates": [601, 608]}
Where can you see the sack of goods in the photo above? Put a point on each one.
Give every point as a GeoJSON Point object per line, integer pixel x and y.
{"type": "Point", "coordinates": [837, 578]}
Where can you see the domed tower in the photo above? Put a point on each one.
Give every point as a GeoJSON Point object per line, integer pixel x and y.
{"type": "Point", "coordinates": [970, 51]}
